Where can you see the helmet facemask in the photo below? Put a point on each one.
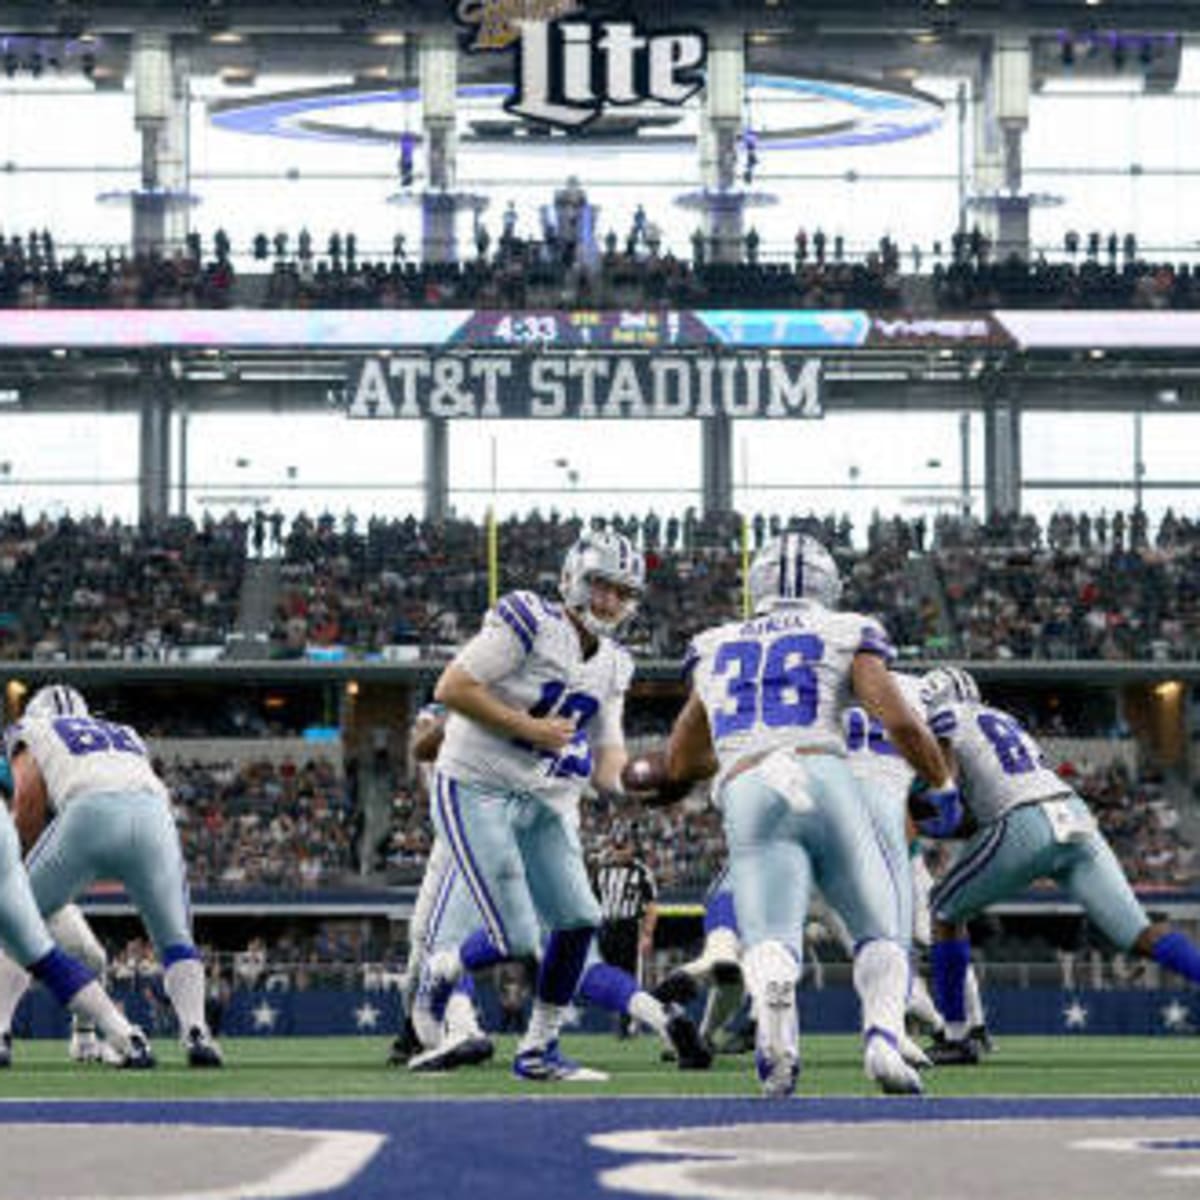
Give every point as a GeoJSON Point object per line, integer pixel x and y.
{"type": "Point", "coordinates": [607, 557]}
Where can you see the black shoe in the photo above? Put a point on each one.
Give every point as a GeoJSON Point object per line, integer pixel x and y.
{"type": "Point", "coordinates": [5, 1050]}
{"type": "Point", "coordinates": [982, 1038]}
{"type": "Point", "coordinates": [949, 1052]}
{"type": "Point", "coordinates": [677, 988]}
{"type": "Point", "coordinates": [139, 1056]}
{"type": "Point", "coordinates": [406, 1045]}
{"type": "Point", "coordinates": [202, 1051]}
{"type": "Point", "coordinates": [690, 1050]}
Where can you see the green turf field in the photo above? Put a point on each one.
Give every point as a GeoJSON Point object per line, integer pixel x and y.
{"type": "Point", "coordinates": [292, 1068]}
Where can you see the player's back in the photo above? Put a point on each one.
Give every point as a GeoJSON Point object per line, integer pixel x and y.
{"type": "Point", "coordinates": [1001, 765]}
{"type": "Point", "coordinates": [781, 679]}
{"type": "Point", "coordinates": [83, 755]}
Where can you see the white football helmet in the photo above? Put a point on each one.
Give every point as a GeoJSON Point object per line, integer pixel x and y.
{"type": "Point", "coordinates": [608, 556]}
{"type": "Point", "coordinates": [945, 685]}
{"type": "Point", "coordinates": [792, 568]}
{"type": "Point", "coordinates": [57, 700]}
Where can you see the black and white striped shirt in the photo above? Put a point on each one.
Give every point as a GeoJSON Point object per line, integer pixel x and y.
{"type": "Point", "coordinates": [624, 889]}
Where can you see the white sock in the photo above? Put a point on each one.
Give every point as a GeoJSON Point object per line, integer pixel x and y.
{"type": "Point", "coordinates": [643, 1007]}
{"type": "Point", "coordinates": [921, 1006]}
{"type": "Point", "coordinates": [69, 928]}
{"type": "Point", "coordinates": [771, 974]}
{"type": "Point", "coordinates": [881, 980]}
{"type": "Point", "coordinates": [183, 982]}
{"type": "Point", "coordinates": [544, 1023]}
{"type": "Point", "coordinates": [93, 1003]}
{"type": "Point", "coordinates": [974, 1003]}
{"type": "Point", "coordinates": [461, 1019]}
{"type": "Point", "coordinates": [723, 1001]}
{"type": "Point", "coordinates": [13, 983]}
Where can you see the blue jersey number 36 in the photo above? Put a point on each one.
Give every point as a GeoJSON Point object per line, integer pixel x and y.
{"type": "Point", "coordinates": [775, 683]}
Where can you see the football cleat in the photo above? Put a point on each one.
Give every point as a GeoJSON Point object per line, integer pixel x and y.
{"type": "Point", "coordinates": [405, 1045]}
{"type": "Point", "coordinates": [883, 1062]}
{"type": "Point", "coordinates": [777, 1073]}
{"type": "Point", "coordinates": [982, 1038]}
{"type": "Point", "coordinates": [85, 1047]}
{"type": "Point", "coordinates": [912, 1053]}
{"type": "Point", "coordinates": [5, 1049]}
{"type": "Point", "coordinates": [547, 1064]}
{"type": "Point", "coordinates": [954, 1052]}
{"type": "Point", "coordinates": [467, 1050]}
{"type": "Point", "coordinates": [202, 1049]}
{"type": "Point", "coordinates": [137, 1056]}
{"type": "Point", "coordinates": [692, 1053]}
{"type": "Point", "coordinates": [678, 988]}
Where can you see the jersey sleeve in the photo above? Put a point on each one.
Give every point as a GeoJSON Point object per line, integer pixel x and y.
{"type": "Point", "coordinates": [16, 736]}
{"type": "Point", "coordinates": [691, 660]}
{"type": "Point", "coordinates": [610, 722]}
{"type": "Point", "coordinates": [944, 722]}
{"type": "Point", "coordinates": [872, 638]}
{"type": "Point", "coordinates": [505, 640]}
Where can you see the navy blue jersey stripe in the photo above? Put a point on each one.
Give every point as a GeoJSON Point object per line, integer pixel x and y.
{"type": "Point", "coordinates": [505, 614]}
{"type": "Point", "coordinates": [523, 611]}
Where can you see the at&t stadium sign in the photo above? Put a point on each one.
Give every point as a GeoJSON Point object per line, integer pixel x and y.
{"type": "Point", "coordinates": [587, 386]}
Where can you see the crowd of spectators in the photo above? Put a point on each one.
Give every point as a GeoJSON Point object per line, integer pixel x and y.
{"type": "Point", "coordinates": [1083, 586]}
{"type": "Point", "coordinates": [816, 272]}
{"type": "Point", "coordinates": [90, 588]}
{"type": "Point", "coordinates": [284, 826]}
{"type": "Point", "coordinates": [34, 275]}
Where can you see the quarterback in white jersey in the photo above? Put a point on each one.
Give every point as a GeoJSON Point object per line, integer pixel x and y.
{"type": "Point", "coordinates": [91, 806]}
{"type": "Point", "coordinates": [536, 703]}
{"type": "Point", "coordinates": [765, 717]}
{"type": "Point", "coordinates": [1030, 824]}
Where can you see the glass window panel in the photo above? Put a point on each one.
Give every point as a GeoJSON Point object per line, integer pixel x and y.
{"type": "Point", "coordinates": [576, 467]}
{"type": "Point", "coordinates": [860, 464]}
{"type": "Point", "coordinates": [307, 462]}
{"type": "Point", "coordinates": [1076, 446]}
{"type": "Point", "coordinates": [81, 463]}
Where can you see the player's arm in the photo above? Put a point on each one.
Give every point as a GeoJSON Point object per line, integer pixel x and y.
{"type": "Point", "coordinates": [31, 805]}
{"type": "Point", "coordinates": [690, 753]}
{"type": "Point", "coordinates": [459, 690]}
{"type": "Point", "coordinates": [649, 920]}
{"type": "Point", "coordinates": [877, 692]}
{"type": "Point", "coordinates": [427, 737]}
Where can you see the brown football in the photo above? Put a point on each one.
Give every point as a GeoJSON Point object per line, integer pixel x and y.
{"type": "Point", "coordinates": [645, 778]}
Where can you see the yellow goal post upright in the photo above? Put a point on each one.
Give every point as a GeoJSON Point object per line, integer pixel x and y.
{"type": "Point", "coordinates": [493, 557]}
{"type": "Point", "coordinates": [744, 527]}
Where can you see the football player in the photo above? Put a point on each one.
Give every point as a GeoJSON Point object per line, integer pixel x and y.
{"type": "Point", "coordinates": [536, 702]}
{"type": "Point", "coordinates": [88, 804]}
{"type": "Point", "coordinates": [764, 716]}
{"type": "Point", "coordinates": [1028, 824]}
{"type": "Point", "coordinates": [29, 945]}
{"type": "Point", "coordinates": [456, 1034]}
{"type": "Point", "coordinates": [886, 780]}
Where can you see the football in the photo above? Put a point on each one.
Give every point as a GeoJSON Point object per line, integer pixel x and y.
{"type": "Point", "coordinates": [645, 778]}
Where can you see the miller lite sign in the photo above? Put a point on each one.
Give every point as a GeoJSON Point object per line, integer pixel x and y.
{"type": "Point", "coordinates": [570, 69]}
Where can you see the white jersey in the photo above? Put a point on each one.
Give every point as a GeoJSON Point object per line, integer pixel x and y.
{"type": "Point", "coordinates": [877, 765]}
{"type": "Point", "coordinates": [780, 680]}
{"type": "Point", "coordinates": [529, 655]}
{"type": "Point", "coordinates": [1000, 765]}
{"type": "Point", "coordinates": [84, 756]}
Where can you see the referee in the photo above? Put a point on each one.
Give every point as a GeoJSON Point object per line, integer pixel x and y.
{"type": "Point", "coordinates": [627, 894]}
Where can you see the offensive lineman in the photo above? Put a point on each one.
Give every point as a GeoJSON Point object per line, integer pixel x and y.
{"type": "Point", "coordinates": [536, 704]}
{"type": "Point", "coordinates": [1029, 824]}
{"type": "Point", "coordinates": [27, 941]}
{"type": "Point", "coordinates": [86, 794]}
{"type": "Point", "coordinates": [764, 716]}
